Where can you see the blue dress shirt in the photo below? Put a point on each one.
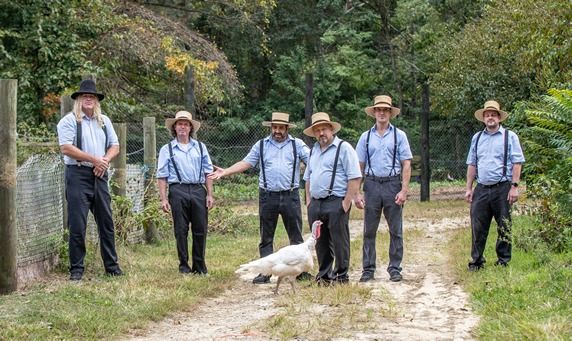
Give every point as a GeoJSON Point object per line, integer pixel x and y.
{"type": "Point", "coordinates": [278, 162]}
{"type": "Point", "coordinates": [189, 163]}
{"type": "Point", "coordinates": [381, 151]}
{"type": "Point", "coordinates": [491, 156]}
{"type": "Point", "coordinates": [320, 168]}
{"type": "Point", "coordinates": [92, 135]}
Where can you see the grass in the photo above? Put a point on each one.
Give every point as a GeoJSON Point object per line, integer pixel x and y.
{"type": "Point", "coordinates": [102, 307]}
{"type": "Point", "coordinates": [531, 299]}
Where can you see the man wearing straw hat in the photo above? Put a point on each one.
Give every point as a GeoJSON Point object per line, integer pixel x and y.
{"type": "Point", "coordinates": [385, 159]}
{"type": "Point", "coordinates": [332, 182]}
{"type": "Point", "coordinates": [495, 160]}
{"type": "Point", "coordinates": [182, 167]}
{"type": "Point", "coordinates": [278, 156]}
{"type": "Point", "coordinates": [89, 143]}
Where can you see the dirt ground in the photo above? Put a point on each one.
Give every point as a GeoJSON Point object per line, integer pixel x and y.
{"type": "Point", "coordinates": [428, 303]}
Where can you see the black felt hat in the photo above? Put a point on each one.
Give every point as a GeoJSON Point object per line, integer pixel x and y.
{"type": "Point", "coordinates": [87, 86]}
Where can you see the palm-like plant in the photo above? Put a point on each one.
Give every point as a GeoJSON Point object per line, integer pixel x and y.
{"type": "Point", "coordinates": [547, 139]}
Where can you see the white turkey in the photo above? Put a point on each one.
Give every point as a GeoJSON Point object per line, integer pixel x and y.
{"type": "Point", "coordinates": [288, 262]}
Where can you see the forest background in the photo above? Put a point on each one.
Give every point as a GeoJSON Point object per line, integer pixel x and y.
{"type": "Point", "coordinates": [250, 58]}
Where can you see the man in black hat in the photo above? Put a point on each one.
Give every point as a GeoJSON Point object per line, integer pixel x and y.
{"type": "Point", "coordinates": [89, 143]}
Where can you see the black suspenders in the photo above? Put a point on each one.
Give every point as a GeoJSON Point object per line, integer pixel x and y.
{"type": "Point", "coordinates": [331, 189]}
{"type": "Point", "coordinates": [78, 137]}
{"type": "Point", "coordinates": [263, 167]}
{"type": "Point", "coordinates": [394, 152]}
{"type": "Point", "coordinates": [172, 158]}
{"type": "Point", "coordinates": [505, 156]}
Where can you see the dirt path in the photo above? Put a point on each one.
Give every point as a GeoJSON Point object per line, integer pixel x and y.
{"type": "Point", "coordinates": [426, 305]}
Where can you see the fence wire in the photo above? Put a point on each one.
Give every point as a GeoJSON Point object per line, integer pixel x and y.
{"type": "Point", "coordinates": [39, 208]}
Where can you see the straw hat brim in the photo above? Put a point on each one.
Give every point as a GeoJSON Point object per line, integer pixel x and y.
{"type": "Point", "coordinates": [171, 121]}
{"type": "Point", "coordinates": [394, 111]}
{"type": "Point", "coordinates": [479, 114]}
{"type": "Point", "coordinates": [270, 123]}
{"type": "Point", "coordinates": [310, 130]}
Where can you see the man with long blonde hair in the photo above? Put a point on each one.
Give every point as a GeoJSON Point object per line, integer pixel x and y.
{"type": "Point", "coordinates": [89, 143]}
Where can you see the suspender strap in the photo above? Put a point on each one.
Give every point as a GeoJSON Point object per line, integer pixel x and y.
{"type": "Point", "coordinates": [172, 157]}
{"type": "Point", "coordinates": [106, 137]}
{"type": "Point", "coordinates": [477, 154]}
{"type": "Point", "coordinates": [295, 154]}
{"type": "Point", "coordinates": [262, 164]}
{"type": "Point", "coordinates": [335, 167]}
{"type": "Point", "coordinates": [393, 171]}
{"type": "Point", "coordinates": [367, 153]}
{"type": "Point", "coordinates": [78, 135]}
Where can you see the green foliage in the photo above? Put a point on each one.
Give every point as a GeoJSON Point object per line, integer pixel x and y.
{"type": "Point", "coordinates": [519, 48]}
{"type": "Point", "coordinates": [546, 135]}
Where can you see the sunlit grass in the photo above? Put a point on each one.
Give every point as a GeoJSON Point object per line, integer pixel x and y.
{"type": "Point", "coordinates": [531, 299]}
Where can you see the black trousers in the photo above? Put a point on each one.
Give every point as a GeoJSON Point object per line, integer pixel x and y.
{"type": "Point", "coordinates": [333, 246]}
{"type": "Point", "coordinates": [489, 202]}
{"type": "Point", "coordinates": [86, 192]}
{"type": "Point", "coordinates": [272, 204]}
{"type": "Point", "coordinates": [380, 196]}
{"type": "Point", "coordinates": [189, 206]}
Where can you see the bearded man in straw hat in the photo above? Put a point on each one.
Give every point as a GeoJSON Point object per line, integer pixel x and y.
{"type": "Point", "coordinates": [87, 156]}
{"type": "Point", "coordinates": [279, 156]}
{"type": "Point", "coordinates": [385, 159]}
{"type": "Point", "coordinates": [332, 182]}
{"type": "Point", "coordinates": [495, 161]}
{"type": "Point", "coordinates": [182, 167]}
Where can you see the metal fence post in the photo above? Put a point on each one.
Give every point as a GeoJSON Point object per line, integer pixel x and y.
{"type": "Point", "coordinates": [150, 161]}
{"type": "Point", "coordinates": [66, 106]}
{"type": "Point", "coordinates": [8, 183]}
{"type": "Point", "coordinates": [119, 163]}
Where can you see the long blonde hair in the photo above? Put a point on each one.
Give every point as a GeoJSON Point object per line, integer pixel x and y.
{"type": "Point", "coordinates": [96, 110]}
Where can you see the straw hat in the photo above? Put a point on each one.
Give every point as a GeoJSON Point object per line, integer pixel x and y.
{"type": "Point", "coordinates": [321, 118]}
{"type": "Point", "coordinates": [492, 106]}
{"type": "Point", "coordinates": [279, 118]}
{"type": "Point", "coordinates": [382, 102]}
{"type": "Point", "coordinates": [183, 115]}
{"type": "Point", "coordinates": [87, 86]}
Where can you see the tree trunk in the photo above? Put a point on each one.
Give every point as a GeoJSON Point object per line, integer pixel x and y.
{"type": "Point", "coordinates": [309, 105]}
{"type": "Point", "coordinates": [425, 168]}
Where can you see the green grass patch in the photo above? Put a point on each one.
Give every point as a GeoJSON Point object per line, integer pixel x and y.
{"type": "Point", "coordinates": [102, 307]}
{"type": "Point", "coordinates": [531, 299]}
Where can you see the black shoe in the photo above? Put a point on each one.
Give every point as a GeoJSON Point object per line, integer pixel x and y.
{"type": "Point", "coordinates": [366, 277]}
{"type": "Point", "coordinates": [475, 267]}
{"type": "Point", "coordinates": [304, 276]}
{"type": "Point", "coordinates": [76, 276]}
{"type": "Point", "coordinates": [184, 270]}
{"type": "Point", "coordinates": [501, 263]}
{"type": "Point", "coordinates": [395, 276]}
{"type": "Point", "coordinates": [200, 273]}
{"type": "Point", "coordinates": [261, 279]}
{"type": "Point", "coordinates": [114, 273]}
{"type": "Point", "coordinates": [323, 282]}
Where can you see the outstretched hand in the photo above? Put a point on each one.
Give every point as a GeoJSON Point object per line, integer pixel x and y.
{"type": "Point", "coordinates": [217, 174]}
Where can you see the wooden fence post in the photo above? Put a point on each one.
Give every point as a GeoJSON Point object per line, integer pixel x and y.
{"type": "Point", "coordinates": [150, 161]}
{"type": "Point", "coordinates": [8, 185]}
{"type": "Point", "coordinates": [425, 167]}
{"type": "Point", "coordinates": [66, 106]}
{"type": "Point", "coordinates": [119, 163]}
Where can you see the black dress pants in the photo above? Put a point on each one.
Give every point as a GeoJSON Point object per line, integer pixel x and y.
{"type": "Point", "coordinates": [272, 204]}
{"type": "Point", "coordinates": [189, 205]}
{"type": "Point", "coordinates": [333, 246]}
{"type": "Point", "coordinates": [86, 192]}
{"type": "Point", "coordinates": [489, 202]}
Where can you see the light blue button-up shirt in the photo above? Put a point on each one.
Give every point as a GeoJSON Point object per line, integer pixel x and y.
{"type": "Point", "coordinates": [491, 156]}
{"type": "Point", "coordinates": [321, 166]}
{"type": "Point", "coordinates": [381, 151]}
{"type": "Point", "coordinates": [278, 162]}
{"type": "Point", "coordinates": [92, 135]}
{"type": "Point", "coordinates": [191, 166]}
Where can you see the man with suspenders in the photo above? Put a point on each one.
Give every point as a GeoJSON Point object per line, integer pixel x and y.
{"type": "Point", "coordinates": [385, 159]}
{"type": "Point", "coordinates": [495, 160]}
{"type": "Point", "coordinates": [89, 143]}
{"type": "Point", "coordinates": [278, 156]}
{"type": "Point", "coordinates": [332, 182]}
{"type": "Point", "coordinates": [182, 167]}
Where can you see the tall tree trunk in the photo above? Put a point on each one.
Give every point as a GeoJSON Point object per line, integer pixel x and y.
{"type": "Point", "coordinates": [309, 104]}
